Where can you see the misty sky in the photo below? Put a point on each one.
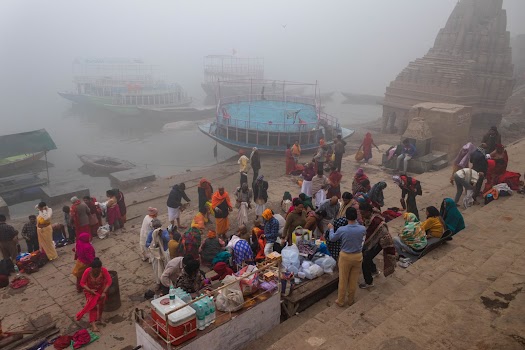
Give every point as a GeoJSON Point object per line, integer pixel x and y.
{"type": "Point", "coordinates": [347, 45]}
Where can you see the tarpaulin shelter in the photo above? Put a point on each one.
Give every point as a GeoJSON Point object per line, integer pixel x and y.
{"type": "Point", "coordinates": [29, 142]}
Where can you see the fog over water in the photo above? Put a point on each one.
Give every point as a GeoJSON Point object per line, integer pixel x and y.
{"type": "Point", "coordinates": [345, 45]}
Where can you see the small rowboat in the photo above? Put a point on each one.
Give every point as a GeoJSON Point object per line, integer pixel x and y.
{"type": "Point", "coordinates": [105, 164]}
{"type": "Point", "coordinates": [20, 161]}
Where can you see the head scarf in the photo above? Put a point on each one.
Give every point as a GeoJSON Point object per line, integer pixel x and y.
{"type": "Point", "coordinates": [451, 215]}
{"type": "Point", "coordinates": [500, 148]}
{"type": "Point", "coordinates": [211, 234]}
{"type": "Point", "coordinates": [152, 211]}
{"type": "Point", "coordinates": [267, 214]}
{"type": "Point", "coordinates": [376, 193]}
{"type": "Point", "coordinates": [205, 184]}
{"type": "Point", "coordinates": [84, 250]}
{"type": "Point", "coordinates": [397, 180]}
{"type": "Point", "coordinates": [463, 157]}
{"type": "Point", "coordinates": [257, 231]}
{"type": "Point", "coordinates": [74, 199]}
{"type": "Point", "coordinates": [260, 177]}
{"type": "Point", "coordinates": [412, 224]}
{"type": "Point", "coordinates": [360, 172]}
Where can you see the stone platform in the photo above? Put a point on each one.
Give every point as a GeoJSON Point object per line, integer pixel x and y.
{"type": "Point", "coordinates": [4, 209]}
{"type": "Point", "coordinates": [432, 161]}
{"type": "Point", "coordinates": [131, 177]}
{"type": "Point", "coordinates": [60, 192]}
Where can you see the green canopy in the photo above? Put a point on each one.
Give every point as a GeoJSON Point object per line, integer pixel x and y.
{"type": "Point", "coordinates": [26, 143]}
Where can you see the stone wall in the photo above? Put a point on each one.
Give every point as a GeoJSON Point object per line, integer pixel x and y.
{"type": "Point", "coordinates": [470, 64]}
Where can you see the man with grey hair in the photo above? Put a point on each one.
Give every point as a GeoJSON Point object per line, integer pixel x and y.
{"type": "Point", "coordinates": [157, 244]}
{"type": "Point", "coordinates": [80, 215]}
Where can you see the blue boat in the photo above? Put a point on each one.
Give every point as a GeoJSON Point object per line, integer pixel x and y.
{"type": "Point", "coordinates": [269, 118]}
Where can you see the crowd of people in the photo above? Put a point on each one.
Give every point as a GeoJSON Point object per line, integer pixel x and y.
{"type": "Point", "coordinates": [352, 223]}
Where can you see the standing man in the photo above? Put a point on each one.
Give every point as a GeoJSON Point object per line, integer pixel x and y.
{"type": "Point", "coordinates": [244, 166]}
{"type": "Point", "coordinates": [145, 229]}
{"type": "Point", "coordinates": [331, 207]}
{"type": "Point", "coordinates": [296, 151]}
{"type": "Point", "coordinates": [320, 157]}
{"type": "Point", "coordinates": [255, 162]}
{"type": "Point", "coordinates": [243, 197]}
{"type": "Point", "coordinates": [260, 195]}
{"type": "Point", "coordinates": [409, 151]}
{"type": "Point", "coordinates": [480, 165]}
{"type": "Point", "coordinates": [222, 206]}
{"type": "Point", "coordinates": [410, 188]}
{"type": "Point", "coordinates": [319, 186]}
{"type": "Point", "coordinates": [30, 235]}
{"type": "Point", "coordinates": [80, 214]}
{"type": "Point", "coordinates": [351, 256]}
{"type": "Point", "coordinates": [339, 150]}
{"type": "Point", "coordinates": [174, 203]}
{"type": "Point", "coordinates": [377, 239]}
{"type": "Point", "coordinates": [8, 240]}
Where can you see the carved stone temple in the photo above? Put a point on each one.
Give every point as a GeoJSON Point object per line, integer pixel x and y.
{"type": "Point", "coordinates": [469, 65]}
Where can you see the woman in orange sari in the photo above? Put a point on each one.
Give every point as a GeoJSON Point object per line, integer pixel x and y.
{"type": "Point", "coordinates": [222, 206]}
{"type": "Point", "coordinates": [367, 144]}
{"type": "Point", "coordinates": [96, 282]}
{"type": "Point", "coordinates": [45, 231]}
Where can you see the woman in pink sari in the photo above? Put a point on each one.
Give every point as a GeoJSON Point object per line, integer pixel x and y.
{"type": "Point", "coordinates": [85, 254]}
{"type": "Point", "coordinates": [96, 282]}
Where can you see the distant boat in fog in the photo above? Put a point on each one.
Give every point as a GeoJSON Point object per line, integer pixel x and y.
{"type": "Point", "coordinates": [124, 87]}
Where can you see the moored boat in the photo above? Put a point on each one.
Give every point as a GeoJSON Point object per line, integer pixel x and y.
{"type": "Point", "coordinates": [271, 121]}
{"type": "Point", "coordinates": [104, 163]}
{"type": "Point", "coordinates": [19, 161]}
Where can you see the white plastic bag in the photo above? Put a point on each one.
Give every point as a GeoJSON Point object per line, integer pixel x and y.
{"type": "Point", "coordinates": [103, 231]}
{"type": "Point", "coordinates": [327, 263]}
{"type": "Point", "coordinates": [290, 255]}
{"type": "Point", "coordinates": [230, 298]}
{"type": "Point", "coordinates": [313, 271]}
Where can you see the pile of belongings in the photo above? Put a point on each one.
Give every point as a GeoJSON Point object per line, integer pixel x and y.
{"type": "Point", "coordinates": [29, 263]}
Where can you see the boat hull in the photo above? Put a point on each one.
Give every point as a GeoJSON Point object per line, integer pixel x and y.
{"type": "Point", "coordinates": [85, 99]}
{"type": "Point", "coordinates": [21, 162]}
{"type": "Point", "coordinates": [105, 164]}
{"type": "Point", "coordinates": [236, 146]}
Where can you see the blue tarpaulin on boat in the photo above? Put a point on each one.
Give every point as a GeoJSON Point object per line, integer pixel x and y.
{"type": "Point", "coordinates": [26, 143]}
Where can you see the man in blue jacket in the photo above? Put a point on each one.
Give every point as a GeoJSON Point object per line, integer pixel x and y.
{"type": "Point", "coordinates": [409, 151]}
{"type": "Point", "coordinates": [174, 203]}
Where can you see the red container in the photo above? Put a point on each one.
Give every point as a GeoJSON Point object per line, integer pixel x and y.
{"type": "Point", "coordinates": [182, 324]}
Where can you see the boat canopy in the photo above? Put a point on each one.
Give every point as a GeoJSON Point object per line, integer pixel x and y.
{"type": "Point", "coordinates": [26, 143]}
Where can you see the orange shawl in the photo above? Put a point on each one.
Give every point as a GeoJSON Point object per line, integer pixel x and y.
{"type": "Point", "coordinates": [217, 199]}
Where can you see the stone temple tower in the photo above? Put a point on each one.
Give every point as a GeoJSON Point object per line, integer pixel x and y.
{"type": "Point", "coordinates": [470, 64]}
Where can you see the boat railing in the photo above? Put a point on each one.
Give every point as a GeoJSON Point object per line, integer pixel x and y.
{"type": "Point", "coordinates": [268, 97]}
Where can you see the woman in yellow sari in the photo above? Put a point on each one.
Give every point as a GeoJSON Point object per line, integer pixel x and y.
{"type": "Point", "coordinates": [45, 231]}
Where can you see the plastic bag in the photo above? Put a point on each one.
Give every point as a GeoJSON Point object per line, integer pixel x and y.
{"type": "Point", "coordinates": [248, 284]}
{"type": "Point", "coordinates": [230, 298]}
{"type": "Point", "coordinates": [103, 231]}
{"type": "Point", "coordinates": [327, 263]}
{"type": "Point", "coordinates": [360, 155]}
{"type": "Point", "coordinates": [290, 255]}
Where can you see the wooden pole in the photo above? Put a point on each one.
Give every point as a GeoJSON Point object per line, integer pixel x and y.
{"type": "Point", "coordinates": [47, 167]}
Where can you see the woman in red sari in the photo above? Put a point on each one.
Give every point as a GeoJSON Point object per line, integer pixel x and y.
{"type": "Point", "coordinates": [334, 179]}
{"type": "Point", "coordinates": [290, 161]}
{"type": "Point", "coordinates": [497, 166]}
{"type": "Point", "coordinates": [367, 144]}
{"type": "Point", "coordinates": [96, 282]}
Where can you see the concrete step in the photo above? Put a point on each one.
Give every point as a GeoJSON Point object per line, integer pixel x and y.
{"type": "Point", "coordinates": [442, 164]}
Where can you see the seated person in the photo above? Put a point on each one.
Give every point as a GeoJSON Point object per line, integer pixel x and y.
{"type": "Point", "coordinates": [240, 248]}
{"type": "Point", "coordinates": [190, 280]}
{"type": "Point", "coordinates": [210, 247]}
{"type": "Point", "coordinates": [451, 216]}
{"type": "Point", "coordinates": [434, 224]}
{"type": "Point", "coordinates": [412, 240]}
{"type": "Point", "coordinates": [174, 242]}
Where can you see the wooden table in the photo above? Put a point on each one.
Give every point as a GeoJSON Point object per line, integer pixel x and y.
{"type": "Point", "coordinates": [308, 293]}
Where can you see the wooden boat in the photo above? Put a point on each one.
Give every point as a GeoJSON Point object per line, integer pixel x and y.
{"type": "Point", "coordinates": [104, 163]}
{"type": "Point", "coordinates": [19, 161]}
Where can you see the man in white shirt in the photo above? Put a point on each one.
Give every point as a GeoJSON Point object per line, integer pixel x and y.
{"type": "Point", "coordinates": [465, 178]}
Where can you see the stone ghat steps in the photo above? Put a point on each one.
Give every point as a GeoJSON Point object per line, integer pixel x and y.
{"type": "Point", "coordinates": [455, 297]}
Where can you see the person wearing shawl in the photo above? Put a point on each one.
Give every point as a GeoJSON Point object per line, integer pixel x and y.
{"type": "Point", "coordinates": [260, 195]}
{"type": "Point", "coordinates": [307, 201]}
{"type": "Point", "coordinates": [410, 188]}
{"type": "Point", "coordinates": [258, 243]}
{"type": "Point", "coordinates": [94, 216]}
{"type": "Point", "coordinates": [413, 239]}
{"type": "Point", "coordinates": [451, 216]}
{"type": "Point", "coordinates": [271, 230]}
{"type": "Point", "coordinates": [145, 229]}
{"type": "Point", "coordinates": [367, 144]}
{"type": "Point", "coordinates": [289, 160]}
{"type": "Point", "coordinates": [351, 257]}
{"type": "Point", "coordinates": [334, 180]}
{"type": "Point", "coordinates": [462, 159]}
{"type": "Point", "coordinates": [85, 254]}
{"type": "Point", "coordinates": [359, 177]}
{"type": "Point", "coordinates": [205, 192]}
{"type": "Point", "coordinates": [296, 151]}
{"type": "Point", "coordinates": [480, 165]}
{"type": "Point", "coordinates": [376, 195]}
{"type": "Point", "coordinates": [95, 281]}
{"type": "Point", "coordinates": [308, 174]}
{"type": "Point", "coordinates": [221, 205]}
{"type": "Point", "coordinates": [296, 218]}
{"type": "Point", "coordinates": [349, 202]}
{"type": "Point", "coordinates": [320, 157]}
{"type": "Point", "coordinates": [210, 247]}
{"type": "Point", "coordinates": [244, 167]}
{"type": "Point", "coordinates": [222, 270]}
{"type": "Point", "coordinates": [45, 231]}
{"type": "Point", "coordinates": [191, 240]}
{"type": "Point", "coordinates": [113, 215]}
{"type": "Point", "coordinates": [240, 248]}
{"type": "Point", "coordinates": [157, 243]}
{"type": "Point", "coordinates": [255, 162]}
{"type": "Point", "coordinates": [377, 238]}
{"type": "Point", "coordinates": [335, 247]}
{"type": "Point", "coordinates": [491, 139]}
{"type": "Point", "coordinates": [121, 202]}
{"type": "Point", "coordinates": [243, 202]}
{"type": "Point", "coordinates": [497, 166]}
{"type": "Point", "coordinates": [190, 280]}
{"type": "Point", "coordinates": [80, 214]}
{"type": "Point", "coordinates": [434, 224]}
{"type": "Point", "coordinates": [319, 186]}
